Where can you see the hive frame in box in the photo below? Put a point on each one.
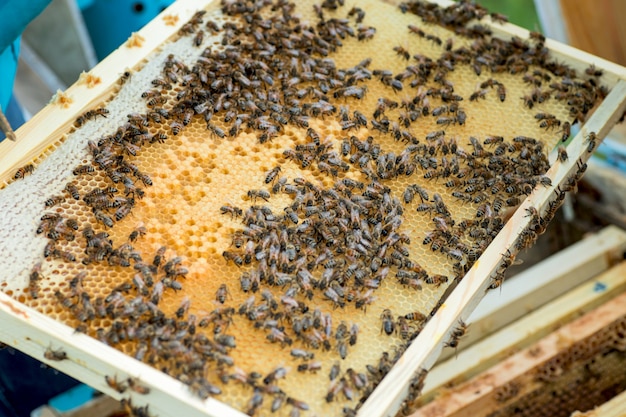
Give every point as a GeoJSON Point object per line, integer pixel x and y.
{"type": "Point", "coordinates": [524, 368]}
{"type": "Point", "coordinates": [32, 332]}
{"type": "Point", "coordinates": [600, 286]}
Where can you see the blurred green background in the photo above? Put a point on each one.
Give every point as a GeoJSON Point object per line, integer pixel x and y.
{"type": "Point", "coordinates": [519, 12]}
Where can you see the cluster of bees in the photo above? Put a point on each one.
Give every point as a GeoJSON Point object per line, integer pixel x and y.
{"type": "Point", "coordinates": [339, 242]}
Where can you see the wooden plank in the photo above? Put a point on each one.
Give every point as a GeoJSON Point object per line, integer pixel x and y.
{"type": "Point", "coordinates": [49, 125]}
{"type": "Point", "coordinates": [90, 361]}
{"type": "Point", "coordinates": [425, 349]}
{"type": "Point", "coordinates": [525, 331]}
{"type": "Point", "coordinates": [596, 27]}
{"type": "Point", "coordinates": [543, 282]}
{"type": "Point", "coordinates": [477, 394]}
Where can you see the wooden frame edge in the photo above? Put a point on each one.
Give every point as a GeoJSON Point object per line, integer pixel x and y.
{"type": "Point", "coordinates": [543, 282]}
{"type": "Point", "coordinates": [477, 392]}
{"type": "Point", "coordinates": [34, 138]}
{"type": "Point", "coordinates": [526, 330]}
{"type": "Point", "coordinates": [89, 361]}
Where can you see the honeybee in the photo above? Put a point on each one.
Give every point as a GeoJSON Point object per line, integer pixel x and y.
{"type": "Point", "coordinates": [215, 130]}
{"type": "Point", "coordinates": [537, 37]}
{"type": "Point", "coordinates": [491, 82]}
{"type": "Point", "coordinates": [65, 255]}
{"type": "Point", "coordinates": [365, 33]}
{"type": "Point", "coordinates": [83, 169]}
{"type": "Point", "coordinates": [550, 123]}
{"type": "Point", "coordinates": [139, 283]}
{"type": "Point", "coordinates": [113, 383]}
{"type": "Point", "coordinates": [125, 77]}
{"type": "Point", "coordinates": [456, 334]}
{"type": "Point", "coordinates": [276, 374]}
{"type": "Point", "coordinates": [55, 355]}
{"type": "Point", "coordinates": [403, 328]}
{"type": "Point", "coordinates": [478, 94]}
{"type": "Point", "coordinates": [137, 232]}
{"type": "Point", "coordinates": [76, 283]}
{"type": "Point", "coordinates": [234, 257]}
{"type": "Point", "coordinates": [402, 52]}
{"type": "Point", "coordinates": [360, 14]}
{"type": "Point", "coordinates": [417, 31]}
{"type": "Point", "coordinates": [21, 172]}
{"type": "Point", "coordinates": [122, 211]}
{"type": "Point", "coordinates": [310, 366]}
{"type": "Point", "coordinates": [334, 389]}
{"type": "Point", "coordinates": [88, 115]}
{"type": "Point", "coordinates": [415, 316]}
{"type": "Point", "coordinates": [592, 71]}
{"type": "Point", "coordinates": [184, 307]}
{"type": "Point", "coordinates": [255, 402]}
{"type": "Point", "coordinates": [232, 210]}
{"type": "Point", "coordinates": [490, 140]}
{"type": "Point", "coordinates": [198, 38]}
{"type": "Point", "coordinates": [135, 385]}
{"type": "Point", "coordinates": [496, 281]}
{"type": "Point", "coordinates": [222, 293]}
{"type": "Point", "coordinates": [513, 201]}
{"type": "Point", "coordinates": [591, 141]}
{"type": "Point", "coordinates": [303, 354]}
{"type": "Point", "coordinates": [33, 280]}
{"type": "Point", "coordinates": [271, 174]}
{"type": "Point", "coordinates": [436, 280]}
{"type": "Point", "coordinates": [301, 405]}
{"type": "Point", "coordinates": [104, 218]}
{"type": "Point", "coordinates": [176, 127]}
{"type": "Point", "coordinates": [144, 178]}
{"type": "Point", "coordinates": [334, 371]}
{"type": "Point", "coordinates": [388, 323]}
{"type": "Point", "coordinates": [501, 92]}
{"type": "Point", "coordinates": [158, 257]}
{"type": "Point", "coordinates": [254, 194]}
{"type": "Point", "coordinates": [528, 101]}
{"type": "Point", "coordinates": [72, 190]}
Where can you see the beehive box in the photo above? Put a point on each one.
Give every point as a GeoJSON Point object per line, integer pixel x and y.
{"type": "Point", "coordinates": [185, 125]}
{"type": "Point", "coordinates": [578, 366]}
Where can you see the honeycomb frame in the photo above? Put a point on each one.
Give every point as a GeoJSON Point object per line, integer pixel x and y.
{"type": "Point", "coordinates": [548, 377]}
{"type": "Point", "coordinates": [517, 223]}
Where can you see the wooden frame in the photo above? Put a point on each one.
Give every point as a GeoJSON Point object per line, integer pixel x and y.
{"type": "Point", "coordinates": [477, 393]}
{"type": "Point", "coordinates": [543, 282]}
{"type": "Point", "coordinates": [89, 360]}
{"type": "Point", "coordinates": [525, 331]}
{"type": "Point", "coordinates": [47, 127]}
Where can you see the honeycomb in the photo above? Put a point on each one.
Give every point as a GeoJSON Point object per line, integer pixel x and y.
{"type": "Point", "coordinates": [579, 378]}
{"type": "Point", "coordinates": [236, 205]}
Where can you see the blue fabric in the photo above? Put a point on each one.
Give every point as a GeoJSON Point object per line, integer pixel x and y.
{"type": "Point", "coordinates": [15, 15]}
{"type": "Point", "coordinates": [8, 67]}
